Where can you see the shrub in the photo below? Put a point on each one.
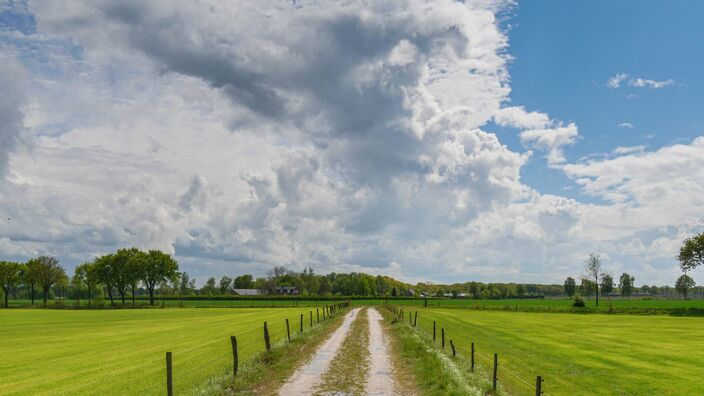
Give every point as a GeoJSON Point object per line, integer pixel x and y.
{"type": "Point", "coordinates": [578, 302]}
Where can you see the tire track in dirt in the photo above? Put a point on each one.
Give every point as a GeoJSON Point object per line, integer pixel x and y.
{"type": "Point", "coordinates": [380, 380]}
{"type": "Point", "coordinates": [308, 377]}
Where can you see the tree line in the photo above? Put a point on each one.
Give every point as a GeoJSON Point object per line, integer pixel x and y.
{"type": "Point", "coordinates": [596, 281]}
{"type": "Point", "coordinates": [115, 274]}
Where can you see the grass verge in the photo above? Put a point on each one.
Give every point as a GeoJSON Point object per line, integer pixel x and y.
{"type": "Point", "coordinates": [267, 371]}
{"type": "Point", "coordinates": [435, 372]}
{"type": "Point", "coordinates": [348, 371]}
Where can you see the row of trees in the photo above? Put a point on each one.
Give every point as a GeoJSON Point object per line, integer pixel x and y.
{"type": "Point", "coordinates": [43, 272]}
{"type": "Point", "coordinates": [308, 283]}
{"type": "Point", "coordinates": [595, 279]}
{"type": "Point", "coordinates": [116, 273]}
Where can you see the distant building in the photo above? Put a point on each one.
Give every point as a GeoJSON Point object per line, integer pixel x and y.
{"type": "Point", "coordinates": [247, 292]}
{"type": "Point", "coordinates": [410, 293]}
{"type": "Point", "coordinates": [287, 290]}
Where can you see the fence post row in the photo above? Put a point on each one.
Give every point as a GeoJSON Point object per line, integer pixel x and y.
{"type": "Point", "coordinates": [267, 343]}
{"type": "Point", "coordinates": [472, 357]}
{"type": "Point", "coordinates": [288, 331]}
{"type": "Point", "coordinates": [496, 367]}
{"type": "Point", "coordinates": [169, 375]}
{"type": "Point", "coordinates": [235, 357]}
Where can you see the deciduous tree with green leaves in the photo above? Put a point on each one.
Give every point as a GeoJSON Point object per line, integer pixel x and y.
{"type": "Point", "coordinates": [692, 253]}
{"type": "Point", "coordinates": [158, 267]}
{"type": "Point", "coordinates": [607, 285]}
{"type": "Point", "coordinates": [47, 272]}
{"type": "Point", "coordinates": [87, 273]}
{"type": "Point", "coordinates": [683, 284]}
{"type": "Point", "coordinates": [570, 286]}
{"type": "Point", "coordinates": [9, 278]}
{"type": "Point", "coordinates": [625, 284]}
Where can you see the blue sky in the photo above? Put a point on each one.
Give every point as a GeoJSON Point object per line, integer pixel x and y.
{"type": "Point", "coordinates": [564, 53]}
{"type": "Point", "coordinates": [477, 140]}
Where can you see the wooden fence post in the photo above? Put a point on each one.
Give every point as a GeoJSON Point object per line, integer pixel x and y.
{"type": "Point", "coordinates": [317, 314]}
{"type": "Point", "coordinates": [324, 313]}
{"type": "Point", "coordinates": [301, 323]}
{"type": "Point", "coordinates": [538, 386]}
{"type": "Point", "coordinates": [453, 348]}
{"type": "Point", "coordinates": [496, 368]}
{"type": "Point", "coordinates": [267, 342]}
{"type": "Point", "coordinates": [433, 331]}
{"type": "Point", "coordinates": [235, 356]}
{"type": "Point", "coordinates": [311, 318]}
{"type": "Point", "coordinates": [410, 319]}
{"type": "Point", "coordinates": [472, 357]}
{"type": "Point", "coordinates": [415, 319]}
{"type": "Point", "coordinates": [442, 332]}
{"type": "Point", "coordinates": [169, 375]}
{"type": "Point", "coordinates": [288, 331]}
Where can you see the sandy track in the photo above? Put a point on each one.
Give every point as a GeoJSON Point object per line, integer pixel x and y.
{"type": "Point", "coordinates": [380, 380]}
{"type": "Point", "coordinates": [308, 377]}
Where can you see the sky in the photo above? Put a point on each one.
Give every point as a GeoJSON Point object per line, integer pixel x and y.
{"type": "Point", "coordinates": [429, 141]}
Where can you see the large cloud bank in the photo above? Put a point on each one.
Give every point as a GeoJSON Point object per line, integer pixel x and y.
{"type": "Point", "coordinates": [338, 135]}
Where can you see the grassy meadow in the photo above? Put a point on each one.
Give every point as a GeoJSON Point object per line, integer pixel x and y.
{"type": "Point", "coordinates": [100, 351]}
{"type": "Point", "coordinates": [579, 354]}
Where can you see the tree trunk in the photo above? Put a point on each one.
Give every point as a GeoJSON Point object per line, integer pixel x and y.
{"type": "Point", "coordinates": [46, 296]}
{"type": "Point", "coordinates": [151, 295]}
{"type": "Point", "coordinates": [32, 287]}
{"type": "Point", "coordinates": [6, 303]}
{"type": "Point", "coordinates": [89, 296]}
{"type": "Point", "coordinates": [133, 295]}
{"type": "Point", "coordinates": [597, 291]}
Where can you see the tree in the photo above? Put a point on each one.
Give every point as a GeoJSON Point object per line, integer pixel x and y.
{"type": "Point", "coordinates": [594, 273]}
{"type": "Point", "coordinates": [9, 277]}
{"type": "Point", "coordinates": [88, 275]}
{"type": "Point", "coordinates": [225, 283]}
{"type": "Point", "coordinates": [47, 272]}
{"type": "Point", "coordinates": [124, 270]}
{"type": "Point", "coordinates": [209, 287]}
{"type": "Point", "coordinates": [244, 282]}
{"type": "Point", "coordinates": [187, 285]}
{"type": "Point", "coordinates": [607, 285]}
{"type": "Point", "coordinates": [692, 253]}
{"type": "Point", "coordinates": [684, 283]}
{"type": "Point", "coordinates": [625, 284]}
{"type": "Point", "coordinates": [105, 270]}
{"type": "Point", "coordinates": [570, 286]}
{"type": "Point", "coordinates": [159, 267]}
{"type": "Point", "coordinates": [587, 287]}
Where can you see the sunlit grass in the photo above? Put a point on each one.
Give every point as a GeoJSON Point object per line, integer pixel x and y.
{"type": "Point", "coordinates": [123, 351]}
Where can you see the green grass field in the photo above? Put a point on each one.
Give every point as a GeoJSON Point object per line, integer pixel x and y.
{"type": "Point", "coordinates": [635, 305]}
{"type": "Point", "coordinates": [558, 304]}
{"type": "Point", "coordinates": [579, 354]}
{"type": "Point", "coordinates": [123, 351]}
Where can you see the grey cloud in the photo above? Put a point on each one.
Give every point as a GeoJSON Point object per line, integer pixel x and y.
{"type": "Point", "coordinates": [12, 77]}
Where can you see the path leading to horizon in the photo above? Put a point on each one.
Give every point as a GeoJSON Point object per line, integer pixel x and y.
{"type": "Point", "coordinates": [375, 365]}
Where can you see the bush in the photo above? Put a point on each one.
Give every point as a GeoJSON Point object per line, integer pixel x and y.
{"type": "Point", "coordinates": [578, 302]}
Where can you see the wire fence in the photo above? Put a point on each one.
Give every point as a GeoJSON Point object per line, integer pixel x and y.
{"type": "Point", "coordinates": [181, 375]}
{"type": "Point", "coordinates": [493, 363]}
